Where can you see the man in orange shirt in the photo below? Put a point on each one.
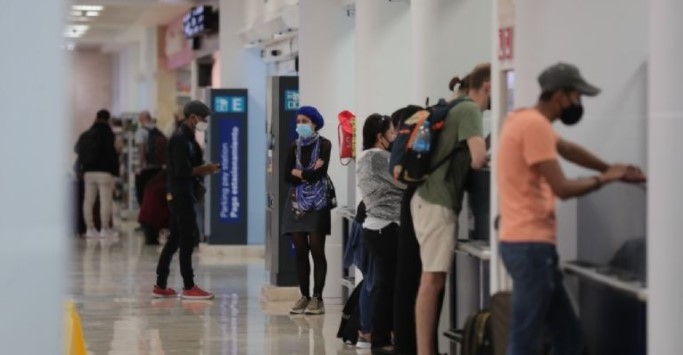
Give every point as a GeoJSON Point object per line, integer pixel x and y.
{"type": "Point", "coordinates": [529, 177]}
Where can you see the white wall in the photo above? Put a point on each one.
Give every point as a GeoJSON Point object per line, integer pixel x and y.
{"type": "Point", "coordinates": [33, 185]}
{"type": "Point", "coordinates": [609, 54]}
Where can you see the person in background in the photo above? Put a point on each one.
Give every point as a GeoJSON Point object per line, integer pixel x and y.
{"type": "Point", "coordinates": [462, 86]}
{"type": "Point", "coordinates": [151, 152]}
{"type": "Point", "coordinates": [186, 171]}
{"type": "Point", "coordinates": [437, 202]}
{"type": "Point", "coordinates": [529, 178]}
{"type": "Point", "coordinates": [355, 253]}
{"type": "Point", "coordinates": [306, 215]}
{"type": "Point", "coordinates": [154, 214]}
{"type": "Point", "coordinates": [99, 163]}
{"type": "Point", "coordinates": [382, 196]}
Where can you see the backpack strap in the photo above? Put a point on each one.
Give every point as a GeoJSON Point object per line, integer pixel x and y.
{"type": "Point", "coordinates": [458, 146]}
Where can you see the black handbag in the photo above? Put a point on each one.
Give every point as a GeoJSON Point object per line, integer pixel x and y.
{"type": "Point", "coordinates": [331, 193]}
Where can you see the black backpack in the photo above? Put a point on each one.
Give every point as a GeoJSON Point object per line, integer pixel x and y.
{"type": "Point", "coordinates": [350, 321]}
{"type": "Point", "coordinates": [156, 150]}
{"type": "Point", "coordinates": [89, 148]}
{"type": "Point", "coordinates": [409, 166]}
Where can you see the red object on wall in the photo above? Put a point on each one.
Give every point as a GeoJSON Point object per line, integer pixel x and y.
{"type": "Point", "coordinates": [347, 136]}
{"type": "Point", "coordinates": [505, 43]}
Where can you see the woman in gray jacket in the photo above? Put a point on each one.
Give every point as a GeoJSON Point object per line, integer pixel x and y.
{"type": "Point", "coordinates": [382, 196]}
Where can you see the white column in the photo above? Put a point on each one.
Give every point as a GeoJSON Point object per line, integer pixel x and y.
{"type": "Point", "coordinates": [425, 51]}
{"type": "Point", "coordinates": [326, 76]}
{"type": "Point", "coordinates": [243, 68]}
{"type": "Point", "coordinates": [326, 82]}
{"type": "Point", "coordinates": [448, 38]}
{"type": "Point", "coordinates": [33, 184]}
{"type": "Point", "coordinates": [383, 66]}
{"type": "Point", "coordinates": [665, 194]}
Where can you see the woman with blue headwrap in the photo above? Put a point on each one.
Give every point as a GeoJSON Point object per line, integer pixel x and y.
{"type": "Point", "coordinates": [306, 216]}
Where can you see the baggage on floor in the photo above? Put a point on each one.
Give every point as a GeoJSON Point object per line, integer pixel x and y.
{"type": "Point", "coordinates": [501, 311]}
{"type": "Point", "coordinates": [477, 336]}
{"type": "Point", "coordinates": [350, 321]}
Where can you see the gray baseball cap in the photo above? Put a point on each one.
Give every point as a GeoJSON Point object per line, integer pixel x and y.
{"type": "Point", "coordinates": [563, 76]}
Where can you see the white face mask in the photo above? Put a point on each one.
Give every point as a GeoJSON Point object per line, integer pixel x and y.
{"type": "Point", "coordinates": [202, 126]}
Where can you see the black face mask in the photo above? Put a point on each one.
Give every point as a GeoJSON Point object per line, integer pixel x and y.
{"type": "Point", "coordinates": [488, 107]}
{"type": "Point", "coordinates": [572, 114]}
{"type": "Point", "coordinates": [390, 144]}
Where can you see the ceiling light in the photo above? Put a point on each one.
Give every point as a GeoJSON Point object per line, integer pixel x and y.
{"type": "Point", "coordinates": [70, 46]}
{"type": "Point", "coordinates": [87, 7]}
{"type": "Point", "coordinates": [92, 13]}
{"type": "Point", "coordinates": [80, 19]}
{"type": "Point", "coordinates": [75, 31]}
{"type": "Point", "coordinates": [76, 13]}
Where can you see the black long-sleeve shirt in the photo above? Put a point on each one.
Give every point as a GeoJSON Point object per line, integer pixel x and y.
{"type": "Point", "coordinates": [310, 175]}
{"type": "Point", "coordinates": [184, 154]}
{"type": "Point", "coordinates": [107, 160]}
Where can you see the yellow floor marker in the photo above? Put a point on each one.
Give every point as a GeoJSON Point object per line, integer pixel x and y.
{"type": "Point", "coordinates": [75, 344]}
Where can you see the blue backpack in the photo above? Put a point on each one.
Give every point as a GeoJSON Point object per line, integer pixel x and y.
{"type": "Point", "coordinates": [411, 164]}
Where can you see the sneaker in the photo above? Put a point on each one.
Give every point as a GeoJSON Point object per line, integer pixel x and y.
{"type": "Point", "coordinates": [109, 233]}
{"type": "Point", "coordinates": [91, 233]}
{"type": "Point", "coordinates": [167, 292]}
{"type": "Point", "coordinates": [196, 293]}
{"type": "Point", "coordinates": [300, 305]}
{"type": "Point", "coordinates": [364, 340]}
{"type": "Point", "coordinates": [315, 306]}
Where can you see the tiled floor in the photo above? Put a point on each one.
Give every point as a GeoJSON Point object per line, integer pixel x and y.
{"type": "Point", "coordinates": [111, 283]}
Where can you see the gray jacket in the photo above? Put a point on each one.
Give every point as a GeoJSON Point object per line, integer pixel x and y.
{"type": "Point", "coordinates": [381, 193]}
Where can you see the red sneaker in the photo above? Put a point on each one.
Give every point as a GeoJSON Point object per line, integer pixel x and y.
{"type": "Point", "coordinates": [164, 292]}
{"type": "Point", "coordinates": [196, 293]}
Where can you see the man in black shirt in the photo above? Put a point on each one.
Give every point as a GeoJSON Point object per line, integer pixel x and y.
{"type": "Point", "coordinates": [99, 163]}
{"type": "Point", "coordinates": [186, 171]}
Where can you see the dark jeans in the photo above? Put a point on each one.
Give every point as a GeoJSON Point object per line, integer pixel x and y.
{"type": "Point", "coordinates": [183, 236]}
{"type": "Point", "coordinates": [141, 182]}
{"type": "Point", "coordinates": [151, 234]}
{"type": "Point", "coordinates": [539, 301]}
{"type": "Point", "coordinates": [382, 245]}
{"type": "Point", "coordinates": [365, 307]}
{"type": "Point", "coordinates": [408, 275]}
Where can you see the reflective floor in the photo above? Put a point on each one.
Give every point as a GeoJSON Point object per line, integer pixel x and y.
{"type": "Point", "coordinates": [111, 283]}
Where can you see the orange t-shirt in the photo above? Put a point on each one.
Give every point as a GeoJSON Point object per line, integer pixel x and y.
{"type": "Point", "coordinates": [527, 203]}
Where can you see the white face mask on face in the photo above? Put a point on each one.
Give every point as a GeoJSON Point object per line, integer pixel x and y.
{"type": "Point", "coordinates": [202, 126]}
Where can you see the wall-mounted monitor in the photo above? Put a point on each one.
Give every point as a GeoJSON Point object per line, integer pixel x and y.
{"type": "Point", "coordinates": [200, 20]}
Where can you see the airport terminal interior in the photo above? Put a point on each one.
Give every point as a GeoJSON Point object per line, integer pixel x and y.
{"type": "Point", "coordinates": [311, 177]}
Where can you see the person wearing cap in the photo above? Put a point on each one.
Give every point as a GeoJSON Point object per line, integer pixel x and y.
{"type": "Point", "coordinates": [529, 178]}
{"type": "Point", "coordinates": [306, 215]}
{"type": "Point", "coordinates": [186, 171]}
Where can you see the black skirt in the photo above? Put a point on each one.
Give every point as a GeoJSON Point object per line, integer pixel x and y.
{"type": "Point", "coordinates": [305, 222]}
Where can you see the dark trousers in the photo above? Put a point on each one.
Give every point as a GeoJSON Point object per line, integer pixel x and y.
{"type": "Point", "coordinates": [408, 275]}
{"type": "Point", "coordinates": [183, 235]}
{"type": "Point", "coordinates": [382, 245]}
{"type": "Point", "coordinates": [141, 182]}
{"type": "Point", "coordinates": [151, 234]}
{"type": "Point", "coordinates": [539, 301]}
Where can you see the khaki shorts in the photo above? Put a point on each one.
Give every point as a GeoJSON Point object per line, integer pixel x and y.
{"type": "Point", "coordinates": [435, 228]}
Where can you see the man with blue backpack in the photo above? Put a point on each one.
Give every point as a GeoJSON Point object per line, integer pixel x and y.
{"type": "Point", "coordinates": [435, 150]}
